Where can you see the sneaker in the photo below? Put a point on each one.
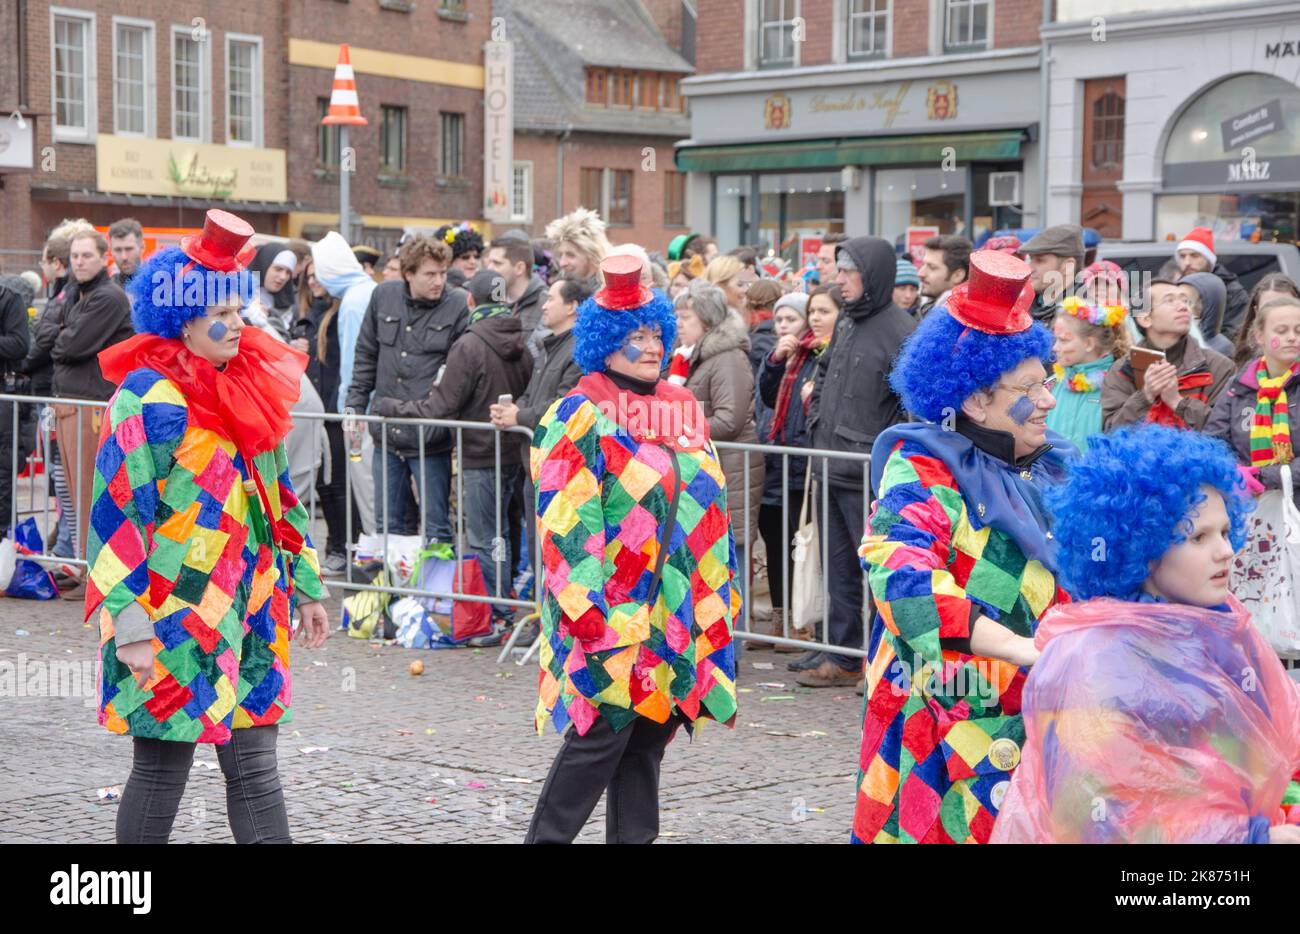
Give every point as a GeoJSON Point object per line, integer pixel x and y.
{"type": "Point", "coordinates": [807, 661]}
{"type": "Point", "coordinates": [828, 674]}
{"type": "Point", "coordinates": [495, 637]}
{"type": "Point", "coordinates": [335, 565]}
{"type": "Point", "coordinates": [528, 635]}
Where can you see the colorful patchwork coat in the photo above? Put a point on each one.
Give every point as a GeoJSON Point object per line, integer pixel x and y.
{"type": "Point", "coordinates": [181, 544]}
{"type": "Point", "coordinates": [942, 729]}
{"type": "Point", "coordinates": [637, 610]}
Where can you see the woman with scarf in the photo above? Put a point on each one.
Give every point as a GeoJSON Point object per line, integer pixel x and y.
{"type": "Point", "coordinates": [960, 563]}
{"type": "Point", "coordinates": [1157, 712]}
{"type": "Point", "coordinates": [639, 568]}
{"type": "Point", "coordinates": [198, 550]}
{"type": "Point", "coordinates": [801, 338]}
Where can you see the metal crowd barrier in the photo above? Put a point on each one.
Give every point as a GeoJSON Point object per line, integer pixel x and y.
{"type": "Point", "coordinates": [39, 492]}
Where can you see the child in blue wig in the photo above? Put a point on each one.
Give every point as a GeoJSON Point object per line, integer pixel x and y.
{"type": "Point", "coordinates": [1156, 712]}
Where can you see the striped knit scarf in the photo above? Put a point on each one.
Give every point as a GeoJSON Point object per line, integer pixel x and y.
{"type": "Point", "coordinates": [1270, 432]}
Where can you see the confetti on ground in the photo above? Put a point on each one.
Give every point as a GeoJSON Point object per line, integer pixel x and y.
{"type": "Point", "coordinates": [778, 685]}
{"type": "Point", "coordinates": [402, 732]}
{"type": "Point", "coordinates": [517, 781]}
{"type": "Point", "coordinates": [210, 766]}
{"type": "Point", "coordinates": [745, 690]}
{"type": "Point", "coordinates": [477, 785]}
{"type": "Point", "coordinates": [318, 663]}
{"type": "Point", "coordinates": [21, 632]}
{"type": "Point", "coordinates": [111, 793]}
{"type": "Point", "coordinates": [763, 666]}
{"type": "Point", "coordinates": [449, 781]}
{"type": "Point", "coordinates": [778, 697]}
{"type": "Point", "coordinates": [429, 731]}
{"type": "Point", "coordinates": [813, 733]}
{"type": "Point", "coordinates": [481, 698]}
{"type": "Point", "coordinates": [312, 750]}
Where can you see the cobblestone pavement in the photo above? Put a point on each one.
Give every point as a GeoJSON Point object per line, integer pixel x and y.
{"type": "Point", "coordinates": [376, 755]}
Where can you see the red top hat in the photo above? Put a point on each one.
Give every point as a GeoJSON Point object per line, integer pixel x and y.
{"type": "Point", "coordinates": [220, 247]}
{"type": "Point", "coordinates": [623, 290]}
{"type": "Point", "coordinates": [996, 297]}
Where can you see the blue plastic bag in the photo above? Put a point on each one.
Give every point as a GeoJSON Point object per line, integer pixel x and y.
{"type": "Point", "coordinates": [30, 580]}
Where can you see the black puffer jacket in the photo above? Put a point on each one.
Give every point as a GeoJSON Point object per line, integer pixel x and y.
{"type": "Point", "coordinates": [402, 344]}
{"type": "Point", "coordinates": [1238, 301]}
{"type": "Point", "coordinates": [554, 375]}
{"type": "Point", "coordinates": [852, 401]}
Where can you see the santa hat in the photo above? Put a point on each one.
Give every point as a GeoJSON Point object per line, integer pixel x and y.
{"type": "Point", "coordinates": [1201, 239]}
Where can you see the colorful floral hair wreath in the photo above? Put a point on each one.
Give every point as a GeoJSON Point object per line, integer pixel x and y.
{"type": "Point", "coordinates": [462, 238]}
{"type": "Point", "coordinates": [1104, 316]}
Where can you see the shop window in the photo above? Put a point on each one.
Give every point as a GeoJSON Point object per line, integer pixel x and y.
{"type": "Point", "coordinates": [776, 24]}
{"type": "Point", "coordinates": [674, 199]}
{"type": "Point", "coordinates": [1108, 131]}
{"type": "Point", "coordinates": [733, 197]}
{"type": "Point", "coordinates": [72, 48]}
{"type": "Point", "coordinates": [597, 86]}
{"type": "Point", "coordinates": [795, 209]}
{"type": "Point", "coordinates": [392, 138]}
{"type": "Point", "coordinates": [327, 137]}
{"type": "Point", "coordinates": [966, 25]}
{"type": "Point", "coordinates": [868, 28]}
{"type": "Point", "coordinates": [919, 198]}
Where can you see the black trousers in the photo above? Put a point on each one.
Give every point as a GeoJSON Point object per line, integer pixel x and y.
{"type": "Point", "coordinates": [160, 769]}
{"type": "Point", "coordinates": [333, 496]}
{"type": "Point", "coordinates": [7, 462]}
{"type": "Point", "coordinates": [626, 763]}
{"type": "Point", "coordinates": [844, 574]}
{"type": "Point", "coordinates": [777, 537]}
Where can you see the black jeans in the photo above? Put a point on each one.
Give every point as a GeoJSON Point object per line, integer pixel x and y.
{"type": "Point", "coordinates": [160, 769]}
{"type": "Point", "coordinates": [777, 536]}
{"type": "Point", "coordinates": [6, 461]}
{"type": "Point", "coordinates": [844, 530]}
{"type": "Point", "coordinates": [334, 495]}
{"type": "Point", "coordinates": [625, 762]}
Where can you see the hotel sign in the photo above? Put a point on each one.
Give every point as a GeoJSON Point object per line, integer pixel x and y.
{"type": "Point", "coordinates": [498, 131]}
{"type": "Point", "coordinates": [176, 169]}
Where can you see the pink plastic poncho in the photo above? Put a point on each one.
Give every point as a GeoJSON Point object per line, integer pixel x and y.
{"type": "Point", "coordinates": [1152, 723]}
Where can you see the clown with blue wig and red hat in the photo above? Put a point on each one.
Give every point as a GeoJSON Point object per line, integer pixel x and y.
{"type": "Point", "coordinates": [639, 581]}
{"type": "Point", "coordinates": [960, 562]}
{"type": "Point", "coordinates": [198, 546]}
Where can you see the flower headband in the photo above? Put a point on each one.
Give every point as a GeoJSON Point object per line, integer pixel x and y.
{"type": "Point", "coordinates": [453, 232]}
{"type": "Point", "coordinates": [1103, 316]}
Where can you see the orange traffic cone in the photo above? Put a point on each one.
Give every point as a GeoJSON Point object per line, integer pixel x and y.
{"type": "Point", "coordinates": [345, 107]}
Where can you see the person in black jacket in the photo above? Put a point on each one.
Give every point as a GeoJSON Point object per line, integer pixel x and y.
{"type": "Point", "coordinates": [408, 329]}
{"type": "Point", "coordinates": [94, 315]}
{"type": "Point", "coordinates": [852, 402]}
{"type": "Point", "coordinates": [14, 342]}
{"type": "Point", "coordinates": [489, 362]}
{"type": "Point", "coordinates": [512, 259]}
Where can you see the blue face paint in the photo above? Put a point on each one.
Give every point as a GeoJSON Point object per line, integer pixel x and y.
{"type": "Point", "coordinates": [633, 354]}
{"type": "Point", "coordinates": [1022, 410]}
{"type": "Point", "coordinates": [217, 331]}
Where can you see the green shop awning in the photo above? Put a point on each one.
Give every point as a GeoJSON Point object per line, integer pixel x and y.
{"type": "Point", "coordinates": [992, 145]}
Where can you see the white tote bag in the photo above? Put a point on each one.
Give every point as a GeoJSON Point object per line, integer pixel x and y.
{"type": "Point", "coordinates": [806, 609]}
{"type": "Point", "coordinates": [1266, 573]}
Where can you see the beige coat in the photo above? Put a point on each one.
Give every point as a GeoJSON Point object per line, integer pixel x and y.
{"type": "Point", "coordinates": [723, 381]}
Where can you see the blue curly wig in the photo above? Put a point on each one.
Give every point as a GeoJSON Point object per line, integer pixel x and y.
{"type": "Point", "coordinates": [1129, 499]}
{"type": "Point", "coordinates": [163, 299]}
{"type": "Point", "coordinates": [939, 366]}
{"type": "Point", "coordinates": [599, 331]}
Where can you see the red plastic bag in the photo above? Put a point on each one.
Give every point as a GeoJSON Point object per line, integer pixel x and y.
{"type": "Point", "coordinates": [1152, 723]}
{"type": "Point", "coordinates": [470, 618]}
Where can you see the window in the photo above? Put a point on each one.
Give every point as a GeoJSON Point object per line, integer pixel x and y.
{"type": "Point", "coordinates": [597, 86]}
{"type": "Point", "coordinates": [868, 28]}
{"type": "Point", "coordinates": [523, 192]}
{"type": "Point", "coordinates": [132, 78]}
{"type": "Point", "coordinates": [647, 91]}
{"type": "Point", "coordinates": [776, 33]}
{"type": "Point", "coordinates": [190, 86]}
{"type": "Point", "coordinates": [72, 47]}
{"type": "Point", "coordinates": [672, 96]}
{"type": "Point", "coordinates": [674, 199]}
{"type": "Point", "coordinates": [622, 84]}
{"type": "Point", "coordinates": [327, 137]}
{"type": "Point", "coordinates": [591, 189]}
{"type": "Point", "coordinates": [392, 138]}
{"type": "Point", "coordinates": [453, 144]}
{"type": "Point", "coordinates": [966, 25]}
{"type": "Point", "coordinates": [1108, 131]}
{"type": "Point", "coordinates": [244, 90]}
{"type": "Point", "coordinates": [620, 197]}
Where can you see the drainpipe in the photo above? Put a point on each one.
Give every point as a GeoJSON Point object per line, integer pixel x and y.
{"type": "Point", "coordinates": [1044, 69]}
{"type": "Point", "coordinates": [559, 169]}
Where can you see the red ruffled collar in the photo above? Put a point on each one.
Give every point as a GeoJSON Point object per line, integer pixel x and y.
{"type": "Point", "coordinates": [672, 416]}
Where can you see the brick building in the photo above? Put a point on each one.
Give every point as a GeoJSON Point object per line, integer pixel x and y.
{"type": "Point", "coordinates": [891, 117]}
{"type": "Point", "coordinates": [159, 110]}
{"type": "Point", "coordinates": [598, 109]}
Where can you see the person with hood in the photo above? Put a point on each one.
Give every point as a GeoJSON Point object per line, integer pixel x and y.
{"type": "Point", "coordinates": [961, 562]}
{"type": "Point", "coordinates": [339, 272]}
{"type": "Point", "coordinates": [276, 299]}
{"type": "Point", "coordinates": [1196, 253]}
{"type": "Point", "coordinates": [719, 375]}
{"type": "Point", "coordinates": [487, 362]}
{"type": "Point", "coordinates": [409, 328]}
{"type": "Point", "coordinates": [1208, 297]}
{"type": "Point", "coordinates": [852, 403]}
{"type": "Point", "coordinates": [512, 260]}
{"type": "Point", "coordinates": [1178, 390]}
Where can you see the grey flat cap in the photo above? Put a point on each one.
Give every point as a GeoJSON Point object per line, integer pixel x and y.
{"type": "Point", "coordinates": [1061, 240]}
